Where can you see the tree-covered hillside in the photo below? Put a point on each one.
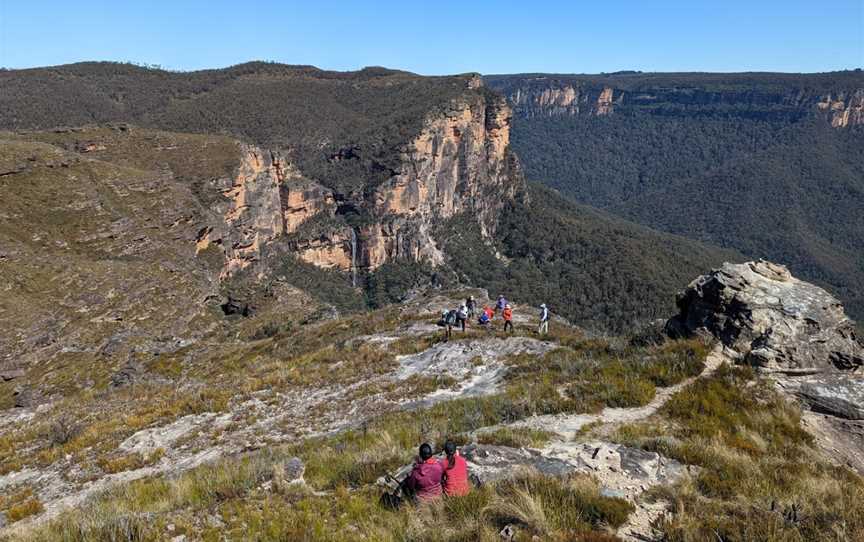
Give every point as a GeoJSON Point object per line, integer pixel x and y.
{"type": "Point", "coordinates": [758, 171]}
{"type": "Point", "coordinates": [597, 270]}
{"type": "Point", "coordinates": [362, 118]}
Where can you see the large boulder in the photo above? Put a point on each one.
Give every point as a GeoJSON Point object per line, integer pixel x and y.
{"type": "Point", "coordinates": [840, 395]}
{"type": "Point", "coordinates": [773, 320]}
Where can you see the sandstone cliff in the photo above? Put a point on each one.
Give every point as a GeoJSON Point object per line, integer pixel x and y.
{"type": "Point", "coordinates": [534, 96]}
{"type": "Point", "coordinates": [459, 162]}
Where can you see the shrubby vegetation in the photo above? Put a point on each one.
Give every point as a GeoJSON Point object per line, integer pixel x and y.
{"type": "Point", "coordinates": [342, 128]}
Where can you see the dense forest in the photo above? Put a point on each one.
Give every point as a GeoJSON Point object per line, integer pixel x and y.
{"type": "Point", "coordinates": [599, 271]}
{"type": "Point", "coordinates": [760, 175]}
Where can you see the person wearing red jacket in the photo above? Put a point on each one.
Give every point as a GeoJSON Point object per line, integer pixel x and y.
{"type": "Point", "coordinates": [424, 482]}
{"type": "Point", "coordinates": [455, 472]}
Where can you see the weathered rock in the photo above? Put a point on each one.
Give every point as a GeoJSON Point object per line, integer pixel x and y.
{"type": "Point", "coordinates": [128, 374]}
{"type": "Point", "coordinates": [149, 440]}
{"type": "Point", "coordinates": [26, 397]}
{"type": "Point", "coordinates": [478, 366]}
{"type": "Point", "coordinates": [836, 394]}
{"type": "Point", "coordinates": [11, 374]}
{"type": "Point", "coordinates": [294, 468]}
{"type": "Point", "coordinates": [772, 319]}
{"type": "Point", "coordinates": [235, 306]}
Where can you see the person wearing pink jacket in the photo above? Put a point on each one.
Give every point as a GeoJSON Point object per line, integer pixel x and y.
{"type": "Point", "coordinates": [424, 482]}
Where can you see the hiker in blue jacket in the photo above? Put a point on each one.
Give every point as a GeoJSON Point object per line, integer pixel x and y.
{"type": "Point", "coordinates": [502, 302]}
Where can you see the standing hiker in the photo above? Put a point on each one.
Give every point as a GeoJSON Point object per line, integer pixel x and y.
{"type": "Point", "coordinates": [544, 320]}
{"type": "Point", "coordinates": [471, 305]}
{"type": "Point", "coordinates": [508, 318]}
{"type": "Point", "coordinates": [462, 317]}
{"type": "Point", "coordinates": [448, 320]}
{"type": "Point", "coordinates": [502, 302]}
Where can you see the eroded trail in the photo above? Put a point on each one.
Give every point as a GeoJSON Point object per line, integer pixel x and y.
{"type": "Point", "coordinates": [620, 470]}
{"type": "Point", "coordinates": [567, 426]}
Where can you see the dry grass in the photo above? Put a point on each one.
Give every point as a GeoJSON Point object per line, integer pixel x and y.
{"type": "Point", "coordinates": [760, 479]}
{"type": "Point", "coordinates": [249, 508]}
{"type": "Point", "coordinates": [515, 437]}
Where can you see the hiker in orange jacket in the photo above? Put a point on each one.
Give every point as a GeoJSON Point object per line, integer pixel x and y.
{"type": "Point", "coordinates": [508, 317]}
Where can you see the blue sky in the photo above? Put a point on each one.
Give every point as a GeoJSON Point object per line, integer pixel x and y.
{"type": "Point", "coordinates": [442, 37]}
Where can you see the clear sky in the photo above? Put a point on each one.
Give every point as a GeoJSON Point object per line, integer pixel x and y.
{"type": "Point", "coordinates": [442, 37]}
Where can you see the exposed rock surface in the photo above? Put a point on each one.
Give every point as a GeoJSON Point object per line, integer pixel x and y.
{"type": "Point", "coordinates": [772, 319]}
{"type": "Point", "coordinates": [459, 162]}
{"type": "Point", "coordinates": [838, 394]}
{"type": "Point", "coordinates": [478, 366]}
{"type": "Point", "coordinates": [793, 330]}
{"type": "Point", "coordinates": [564, 95]}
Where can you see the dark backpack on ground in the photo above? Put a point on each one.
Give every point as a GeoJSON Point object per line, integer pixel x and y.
{"type": "Point", "coordinates": [391, 501]}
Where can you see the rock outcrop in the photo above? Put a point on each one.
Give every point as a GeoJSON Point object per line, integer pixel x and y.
{"type": "Point", "coordinates": [562, 95]}
{"type": "Point", "coordinates": [838, 394]}
{"type": "Point", "coordinates": [844, 108]}
{"type": "Point", "coordinates": [459, 162]}
{"type": "Point", "coordinates": [796, 332]}
{"type": "Point", "coordinates": [772, 319]}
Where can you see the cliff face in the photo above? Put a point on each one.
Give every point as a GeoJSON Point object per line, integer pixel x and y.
{"type": "Point", "coordinates": [844, 109]}
{"type": "Point", "coordinates": [552, 96]}
{"type": "Point", "coordinates": [458, 162]}
{"type": "Point", "coordinates": [563, 99]}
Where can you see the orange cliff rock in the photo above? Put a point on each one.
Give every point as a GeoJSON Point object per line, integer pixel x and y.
{"type": "Point", "coordinates": [459, 162]}
{"type": "Point", "coordinates": [844, 109]}
{"type": "Point", "coordinates": [605, 104]}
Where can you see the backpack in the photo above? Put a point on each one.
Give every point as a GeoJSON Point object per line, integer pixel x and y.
{"type": "Point", "coordinates": [450, 319]}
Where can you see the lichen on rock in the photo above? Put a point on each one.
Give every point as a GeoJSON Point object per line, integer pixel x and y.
{"type": "Point", "coordinates": [773, 320]}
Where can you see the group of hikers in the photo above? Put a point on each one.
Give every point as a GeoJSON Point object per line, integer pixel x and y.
{"type": "Point", "coordinates": [432, 478]}
{"type": "Point", "coordinates": [459, 317]}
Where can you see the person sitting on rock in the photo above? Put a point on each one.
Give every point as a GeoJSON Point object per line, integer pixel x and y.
{"type": "Point", "coordinates": [424, 482]}
{"type": "Point", "coordinates": [455, 472]}
{"type": "Point", "coordinates": [508, 318]}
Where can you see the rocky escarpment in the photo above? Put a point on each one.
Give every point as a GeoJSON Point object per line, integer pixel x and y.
{"type": "Point", "coordinates": [681, 94]}
{"type": "Point", "coordinates": [769, 317]}
{"type": "Point", "coordinates": [459, 162]}
{"type": "Point", "coordinates": [793, 330]}
{"type": "Point", "coordinates": [564, 99]}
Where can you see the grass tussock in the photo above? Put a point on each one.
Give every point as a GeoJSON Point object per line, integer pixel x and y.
{"type": "Point", "coordinates": [515, 437]}
{"type": "Point", "coordinates": [20, 504]}
{"type": "Point", "coordinates": [760, 477]}
{"type": "Point", "coordinates": [250, 505]}
{"type": "Point", "coordinates": [593, 374]}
